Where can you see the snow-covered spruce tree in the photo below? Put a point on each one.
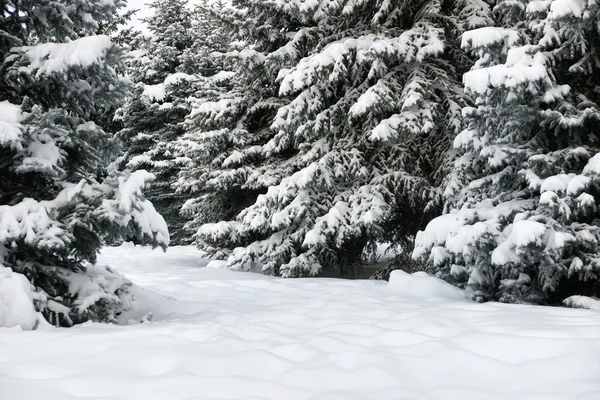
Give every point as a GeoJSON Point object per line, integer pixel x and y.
{"type": "Point", "coordinates": [522, 221]}
{"type": "Point", "coordinates": [58, 202]}
{"type": "Point", "coordinates": [158, 105]}
{"type": "Point", "coordinates": [212, 87]}
{"type": "Point", "coordinates": [206, 55]}
{"type": "Point", "coordinates": [336, 132]}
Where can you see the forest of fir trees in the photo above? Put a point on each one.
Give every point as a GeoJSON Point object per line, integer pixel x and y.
{"type": "Point", "coordinates": [293, 137]}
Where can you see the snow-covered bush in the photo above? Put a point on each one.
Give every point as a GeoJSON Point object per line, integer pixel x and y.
{"type": "Point", "coordinates": [16, 301]}
{"type": "Point", "coordinates": [521, 221]}
{"type": "Point", "coordinates": [336, 132]}
{"type": "Point", "coordinates": [58, 201]}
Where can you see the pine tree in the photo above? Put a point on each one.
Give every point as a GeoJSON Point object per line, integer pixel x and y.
{"type": "Point", "coordinates": [205, 57]}
{"type": "Point", "coordinates": [213, 86]}
{"type": "Point", "coordinates": [163, 79]}
{"type": "Point", "coordinates": [336, 132]}
{"type": "Point", "coordinates": [58, 200]}
{"type": "Point", "coordinates": [521, 222]}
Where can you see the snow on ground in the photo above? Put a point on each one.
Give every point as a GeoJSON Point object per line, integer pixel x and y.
{"type": "Point", "coordinates": [230, 335]}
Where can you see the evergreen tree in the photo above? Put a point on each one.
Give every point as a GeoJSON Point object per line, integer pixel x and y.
{"type": "Point", "coordinates": [205, 57]}
{"type": "Point", "coordinates": [163, 82]}
{"type": "Point", "coordinates": [521, 222]}
{"type": "Point", "coordinates": [335, 134]}
{"type": "Point", "coordinates": [213, 85]}
{"type": "Point", "coordinates": [58, 201]}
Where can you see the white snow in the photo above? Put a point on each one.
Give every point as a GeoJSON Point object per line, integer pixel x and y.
{"type": "Point", "coordinates": [564, 8]}
{"type": "Point", "coordinates": [331, 59]}
{"type": "Point", "coordinates": [56, 58]}
{"type": "Point", "coordinates": [96, 284]}
{"type": "Point", "coordinates": [218, 334]}
{"type": "Point", "coordinates": [523, 65]}
{"type": "Point", "coordinates": [460, 230]}
{"type": "Point", "coordinates": [593, 166]}
{"type": "Point", "coordinates": [527, 232]}
{"type": "Point", "coordinates": [556, 183]}
{"type": "Point", "coordinates": [32, 222]}
{"type": "Point", "coordinates": [412, 45]}
{"type": "Point", "coordinates": [178, 77]}
{"type": "Point", "coordinates": [16, 301]}
{"type": "Point", "coordinates": [42, 156]}
{"type": "Point", "coordinates": [486, 36]}
{"type": "Point", "coordinates": [578, 184]}
{"type": "Point", "coordinates": [222, 76]}
{"type": "Point", "coordinates": [234, 158]}
{"type": "Point", "coordinates": [422, 285]}
{"type": "Point", "coordinates": [159, 91]}
{"type": "Point", "coordinates": [583, 302]}
{"type": "Point", "coordinates": [10, 125]}
{"type": "Point", "coordinates": [214, 109]}
{"type": "Point", "coordinates": [538, 5]}
{"type": "Point", "coordinates": [155, 92]}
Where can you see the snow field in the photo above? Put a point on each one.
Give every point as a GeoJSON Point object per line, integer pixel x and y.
{"type": "Point", "coordinates": [218, 334]}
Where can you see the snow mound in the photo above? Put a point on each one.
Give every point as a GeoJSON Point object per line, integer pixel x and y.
{"type": "Point", "coordinates": [423, 285]}
{"type": "Point", "coordinates": [16, 301]}
{"type": "Point", "coordinates": [582, 302]}
{"type": "Point", "coordinates": [217, 264]}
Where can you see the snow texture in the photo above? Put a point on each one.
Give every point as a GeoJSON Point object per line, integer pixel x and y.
{"type": "Point", "coordinates": [16, 301]}
{"type": "Point", "coordinates": [155, 92]}
{"type": "Point", "coordinates": [10, 125]}
{"type": "Point", "coordinates": [523, 65]}
{"type": "Point", "coordinates": [33, 222]}
{"type": "Point", "coordinates": [422, 285]}
{"type": "Point", "coordinates": [583, 302]}
{"type": "Point", "coordinates": [459, 237]}
{"type": "Point", "coordinates": [53, 58]}
{"type": "Point", "coordinates": [217, 334]}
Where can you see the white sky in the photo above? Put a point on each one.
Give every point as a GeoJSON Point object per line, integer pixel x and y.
{"type": "Point", "coordinates": [143, 13]}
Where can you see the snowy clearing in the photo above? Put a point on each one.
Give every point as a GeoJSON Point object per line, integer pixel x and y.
{"type": "Point", "coordinates": [218, 334]}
